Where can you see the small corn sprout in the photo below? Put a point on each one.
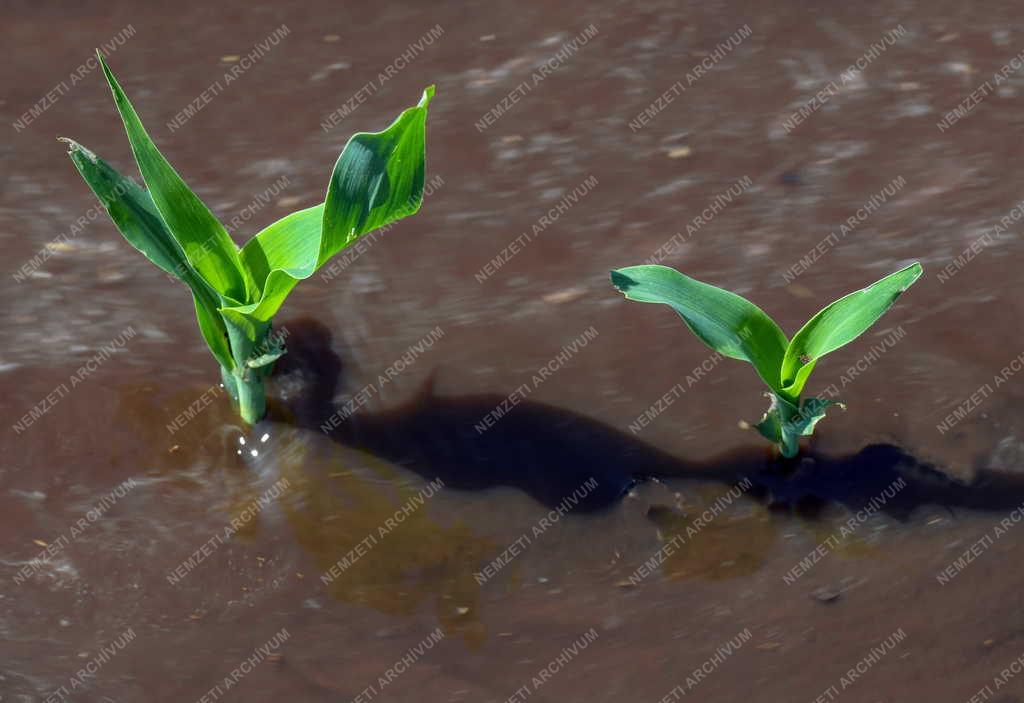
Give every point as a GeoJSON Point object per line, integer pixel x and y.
{"type": "Point", "coordinates": [736, 328]}
{"type": "Point", "coordinates": [377, 179]}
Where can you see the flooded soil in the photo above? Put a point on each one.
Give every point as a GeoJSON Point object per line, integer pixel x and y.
{"type": "Point", "coordinates": [426, 516]}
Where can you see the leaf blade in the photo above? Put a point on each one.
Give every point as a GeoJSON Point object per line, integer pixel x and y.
{"type": "Point", "coordinates": [841, 322]}
{"type": "Point", "coordinates": [280, 256]}
{"type": "Point", "coordinates": [372, 183]}
{"type": "Point", "coordinates": [724, 321]}
{"type": "Point", "coordinates": [136, 217]}
{"type": "Point", "coordinates": [294, 247]}
{"type": "Point", "coordinates": [202, 237]}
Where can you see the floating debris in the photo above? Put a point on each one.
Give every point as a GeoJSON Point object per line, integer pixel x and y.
{"type": "Point", "coordinates": [564, 296]}
{"type": "Point", "coordinates": [826, 594]}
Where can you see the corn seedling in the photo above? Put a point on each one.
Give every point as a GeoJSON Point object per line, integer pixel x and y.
{"type": "Point", "coordinates": [377, 179]}
{"type": "Point", "coordinates": [738, 329]}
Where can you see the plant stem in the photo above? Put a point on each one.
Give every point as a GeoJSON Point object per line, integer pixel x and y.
{"type": "Point", "coordinates": [229, 383]}
{"type": "Point", "coordinates": [252, 398]}
{"type": "Point", "coordinates": [789, 409]}
{"type": "Point", "coordinates": [779, 424]}
{"type": "Point", "coordinates": [247, 391]}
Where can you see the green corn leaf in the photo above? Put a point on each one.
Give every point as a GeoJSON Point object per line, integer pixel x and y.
{"type": "Point", "coordinates": [282, 255]}
{"type": "Point", "coordinates": [135, 215]}
{"type": "Point", "coordinates": [265, 359]}
{"type": "Point", "coordinates": [203, 239]}
{"type": "Point", "coordinates": [726, 322]}
{"type": "Point", "coordinates": [770, 425]}
{"type": "Point", "coordinates": [246, 335]}
{"type": "Point", "coordinates": [784, 424]}
{"type": "Point", "coordinates": [811, 411]}
{"type": "Point", "coordinates": [839, 324]}
{"type": "Point", "coordinates": [267, 353]}
{"type": "Point", "coordinates": [378, 179]}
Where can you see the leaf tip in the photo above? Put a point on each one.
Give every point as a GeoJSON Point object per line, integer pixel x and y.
{"type": "Point", "coordinates": [74, 148]}
{"type": "Point", "coordinates": [107, 73]}
{"type": "Point", "coordinates": [915, 270]}
{"type": "Point", "coordinates": [428, 95]}
{"type": "Point", "coordinates": [103, 63]}
{"type": "Point", "coordinates": [621, 281]}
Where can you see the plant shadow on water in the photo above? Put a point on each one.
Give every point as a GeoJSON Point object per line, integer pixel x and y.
{"type": "Point", "coordinates": [549, 452]}
{"type": "Point", "coordinates": [342, 488]}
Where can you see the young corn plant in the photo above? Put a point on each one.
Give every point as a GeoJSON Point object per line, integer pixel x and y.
{"type": "Point", "coordinates": [738, 329]}
{"type": "Point", "coordinates": [377, 179]}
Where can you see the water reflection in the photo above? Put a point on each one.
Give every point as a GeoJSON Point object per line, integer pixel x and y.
{"type": "Point", "coordinates": [735, 543]}
{"type": "Point", "coordinates": [374, 538]}
{"type": "Point", "coordinates": [328, 497]}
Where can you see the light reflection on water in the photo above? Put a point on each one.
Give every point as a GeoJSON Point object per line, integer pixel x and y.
{"type": "Point", "coordinates": [348, 506]}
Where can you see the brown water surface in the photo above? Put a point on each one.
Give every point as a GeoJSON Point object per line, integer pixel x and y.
{"type": "Point", "coordinates": [365, 556]}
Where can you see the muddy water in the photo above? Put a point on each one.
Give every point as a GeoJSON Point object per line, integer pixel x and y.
{"type": "Point", "coordinates": [559, 554]}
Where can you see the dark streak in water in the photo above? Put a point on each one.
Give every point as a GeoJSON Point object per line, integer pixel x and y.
{"type": "Point", "coordinates": [549, 452]}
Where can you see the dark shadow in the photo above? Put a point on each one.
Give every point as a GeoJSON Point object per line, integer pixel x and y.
{"type": "Point", "coordinates": [550, 452]}
{"type": "Point", "coordinates": [886, 478]}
